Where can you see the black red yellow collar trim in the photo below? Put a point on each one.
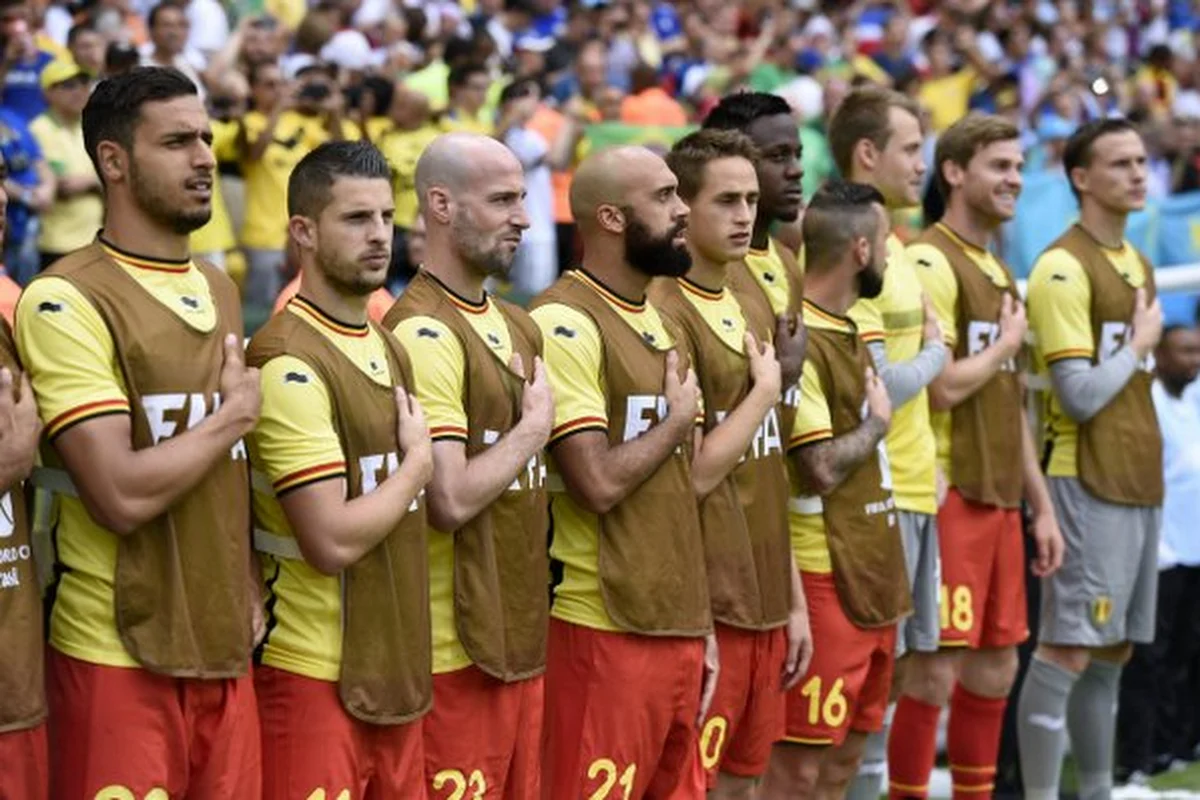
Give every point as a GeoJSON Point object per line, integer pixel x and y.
{"type": "Point", "coordinates": [310, 310]}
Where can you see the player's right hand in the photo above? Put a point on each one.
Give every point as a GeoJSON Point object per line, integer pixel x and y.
{"type": "Point", "coordinates": [764, 369]}
{"type": "Point", "coordinates": [241, 389]}
{"type": "Point", "coordinates": [683, 397]}
{"type": "Point", "coordinates": [878, 404]}
{"type": "Point", "coordinates": [791, 344]}
{"type": "Point", "coordinates": [20, 427]}
{"type": "Point", "coordinates": [1013, 326]}
{"type": "Point", "coordinates": [537, 399]}
{"type": "Point", "coordinates": [1147, 324]}
{"type": "Point", "coordinates": [412, 434]}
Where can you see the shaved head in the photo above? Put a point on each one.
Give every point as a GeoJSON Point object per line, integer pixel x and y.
{"type": "Point", "coordinates": [612, 177]}
{"type": "Point", "coordinates": [454, 160]}
{"type": "Point", "coordinates": [471, 191]}
{"type": "Point", "coordinates": [630, 193]}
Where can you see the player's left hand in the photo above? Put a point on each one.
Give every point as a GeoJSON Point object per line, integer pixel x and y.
{"type": "Point", "coordinates": [791, 343]}
{"type": "Point", "coordinates": [712, 667]}
{"type": "Point", "coordinates": [1050, 547]}
{"type": "Point", "coordinates": [799, 648]}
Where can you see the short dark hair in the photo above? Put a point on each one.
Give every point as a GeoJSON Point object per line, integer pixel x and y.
{"type": "Point", "coordinates": [78, 30]}
{"type": "Point", "coordinates": [308, 191]}
{"type": "Point", "coordinates": [519, 88]}
{"type": "Point", "coordinates": [737, 111]}
{"type": "Point", "coordinates": [838, 213]}
{"type": "Point", "coordinates": [165, 5]}
{"type": "Point", "coordinates": [691, 154]}
{"type": "Point", "coordinates": [460, 74]}
{"type": "Point", "coordinates": [1078, 152]}
{"type": "Point", "coordinates": [114, 110]}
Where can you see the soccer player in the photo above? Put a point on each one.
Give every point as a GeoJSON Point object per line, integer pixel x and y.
{"type": "Point", "coordinates": [876, 139]}
{"type": "Point", "coordinates": [1093, 308]}
{"type": "Point", "coordinates": [986, 451]}
{"type": "Point", "coordinates": [135, 355]}
{"type": "Point", "coordinates": [739, 470]}
{"type": "Point", "coordinates": [341, 456]}
{"type": "Point", "coordinates": [631, 658]}
{"type": "Point", "coordinates": [480, 378]}
{"type": "Point", "coordinates": [23, 703]}
{"type": "Point", "coordinates": [767, 120]}
{"type": "Point", "coordinates": [843, 520]}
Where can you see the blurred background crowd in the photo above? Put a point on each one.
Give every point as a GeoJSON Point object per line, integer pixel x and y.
{"type": "Point", "coordinates": [553, 78]}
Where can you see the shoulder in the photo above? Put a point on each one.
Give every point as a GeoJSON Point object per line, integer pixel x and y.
{"type": "Point", "coordinates": [562, 321]}
{"type": "Point", "coordinates": [1056, 269]}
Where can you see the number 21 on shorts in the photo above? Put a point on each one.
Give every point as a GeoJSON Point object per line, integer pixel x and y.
{"type": "Point", "coordinates": [615, 783]}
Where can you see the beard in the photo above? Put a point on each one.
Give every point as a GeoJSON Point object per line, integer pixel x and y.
{"type": "Point", "coordinates": [152, 198]}
{"type": "Point", "coordinates": [655, 256]}
{"type": "Point", "coordinates": [474, 251]}
{"type": "Point", "coordinates": [870, 283]}
{"type": "Point", "coordinates": [347, 278]}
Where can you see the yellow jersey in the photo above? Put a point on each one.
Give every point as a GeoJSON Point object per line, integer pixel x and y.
{"type": "Point", "coordinates": [897, 318]}
{"type": "Point", "coordinates": [1059, 298]}
{"type": "Point", "coordinates": [402, 149]}
{"type": "Point", "coordinates": [439, 372]}
{"type": "Point", "coordinates": [295, 444]}
{"type": "Point", "coordinates": [71, 360]}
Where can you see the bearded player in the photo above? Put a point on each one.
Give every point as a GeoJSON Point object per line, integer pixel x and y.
{"type": "Point", "coordinates": [481, 381]}
{"type": "Point", "coordinates": [135, 354]}
{"type": "Point", "coordinates": [986, 452]}
{"type": "Point", "coordinates": [1096, 317]}
{"type": "Point", "coordinates": [843, 520]}
{"type": "Point", "coordinates": [631, 659]}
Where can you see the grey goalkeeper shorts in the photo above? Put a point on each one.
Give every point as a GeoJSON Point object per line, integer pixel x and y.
{"type": "Point", "coordinates": [920, 632]}
{"type": "Point", "coordinates": [1106, 591]}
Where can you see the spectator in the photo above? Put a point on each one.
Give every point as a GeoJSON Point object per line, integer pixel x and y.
{"type": "Point", "coordinates": [286, 124]}
{"type": "Point", "coordinates": [536, 263]}
{"type": "Point", "coordinates": [87, 48]}
{"type": "Point", "coordinates": [168, 43]}
{"type": "Point", "coordinates": [468, 86]}
{"type": "Point", "coordinates": [29, 186]}
{"type": "Point", "coordinates": [946, 89]}
{"type": "Point", "coordinates": [23, 62]}
{"type": "Point", "coordinates": [76, 214]}
{"type": "Point", "coordinates": [1158, 709]}
{"type": "Point", "coordinates": [650, 104]}
{"type": "Point", "coordinates": [9, 290]}
{"type": "Point", "coordinates": [208, 27]}
{"type": "Point", "coordinates": [120, 58]}
{"type": "Point", "coordinates": [409, 129]}
{"type": "Point", "coordinates": [118, 22]}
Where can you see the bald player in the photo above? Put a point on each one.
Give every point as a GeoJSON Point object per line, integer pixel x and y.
{"type": "Point", "coordinates": [480, 379]}
{"type": "Point", "coordinates": [631, 659]}
{"type": "Point", "coordinates": [876, 139]}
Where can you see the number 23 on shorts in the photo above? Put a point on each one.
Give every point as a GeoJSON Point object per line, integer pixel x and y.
{"type": "Point", "coordinates": [454, 784]}
{"type": "Point", "coordinates": [614, 783]}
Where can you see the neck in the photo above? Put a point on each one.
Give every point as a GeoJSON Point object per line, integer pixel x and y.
{"type": "Point", "coordinates": [615, 272]}
{"type": "Point", "coordinates": [1106, 227]}
{"type": "Point", "coordinates": [315, 288]}
{"type": "Point", "coordinates": [829, 289]}
{"type": "Point", "coordinates": [760, 236]}
{"type": "Point", "coordinates": [444, 264]}
{"type": "Point", "coordinates": [706, 272]}
{"type": "Point", "coordinates": [969, 226]}
{"type": "Point", "coordinates": [130, 229]}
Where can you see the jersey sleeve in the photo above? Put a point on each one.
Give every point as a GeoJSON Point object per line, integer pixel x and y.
{"type": "Point", "coordinates": [224, 143]}
{"type": "Point", "coordinates": [572, 352]}
{"type": "Point", "coordinates": [295, 441]}
{"type": "Point", "coordinates": [813, 421]}
{"type": "Point", "coordinates": [869, 320]}
{"type": "Point", "coordinates": [1060, 299]}
{"type": "Point", "coordinates": [438, 368]}
{"type": "Point", "coordinates": [69, 354]}
{"type": "Point", "coordinates": [937, 279]}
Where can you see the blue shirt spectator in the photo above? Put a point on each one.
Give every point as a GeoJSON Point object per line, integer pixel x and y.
{"type": "Point", "coordinates": [23, 89]}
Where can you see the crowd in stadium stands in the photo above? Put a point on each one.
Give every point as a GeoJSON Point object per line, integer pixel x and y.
{"type": "Point", "coordinates": [280, 76]}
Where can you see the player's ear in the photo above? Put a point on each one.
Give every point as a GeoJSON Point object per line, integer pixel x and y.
{"type": "Point", "coordinates": [862, 252]}
{"type": "Point", "coordinates": [111, 161]}
{"type": "Point", "coordinates": [865, 153]}
{"type": "Point", "coordinates": [437, 205]}
{"type": "Point", "coordinates": [303, 231]}
{"type": "Point", "coordinates": [1079, 179]}
{"type": "Point", "coordinates": [611, 218]}
{"type": "Point", "coordinates": [952, 172]}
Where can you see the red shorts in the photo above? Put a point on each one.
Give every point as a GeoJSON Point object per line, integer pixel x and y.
{"type": "Point", "coordinates": [24, 764]}
{"type": "Point", "coordinates": [983, 574]}
{"type": "Point", "coordinates": [847, 683]}
{"type": "Point", "coordinates": [483, 735]}
{"type": "Point", "coordinates": [130, 732]}
{"type": "Point", "coordinates": [621, 715]}
{"type": "Point", "coordinates": [313, 748]}
{"type": "Point", "coordinates": [748, 710]}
